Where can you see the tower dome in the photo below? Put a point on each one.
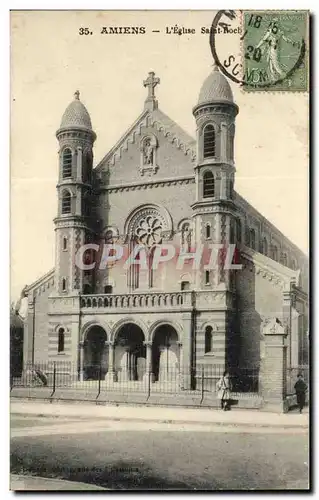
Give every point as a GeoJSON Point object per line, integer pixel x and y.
{"type": "Point", "coordinates": [215, 88]}
{"type": "Point", "coordinates": [76, 115]}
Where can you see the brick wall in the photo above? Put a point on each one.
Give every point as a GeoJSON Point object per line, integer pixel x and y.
{"type": "Point", "coordinates": [257, 298]}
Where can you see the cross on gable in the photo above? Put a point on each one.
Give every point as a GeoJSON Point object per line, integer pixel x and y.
{"type": "Point", "coordinates": [151, 82]}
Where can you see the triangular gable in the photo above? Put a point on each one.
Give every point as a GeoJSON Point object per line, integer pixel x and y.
{"type": "Point", "coordinates": [273, 326]}
{"type": "Point", "coordinates": [157, 119]}
{"type": "Point", "coordinates": [170, 128]}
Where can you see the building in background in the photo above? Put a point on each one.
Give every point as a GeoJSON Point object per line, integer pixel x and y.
{"type": "Point", "coordinates": [159, 185]}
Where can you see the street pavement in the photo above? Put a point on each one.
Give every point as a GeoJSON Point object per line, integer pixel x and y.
{"type": "Point", "coordinates": [204, 416]}
{"type": "Point", "coordinates": [31, 483]}
{"type": "Point", "coordinates": [147, 448]}
{"type": "Point", "coordinates": [123, 455]}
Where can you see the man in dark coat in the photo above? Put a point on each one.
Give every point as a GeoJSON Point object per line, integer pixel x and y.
{"type": "Point", "coordinates": [301, 388]}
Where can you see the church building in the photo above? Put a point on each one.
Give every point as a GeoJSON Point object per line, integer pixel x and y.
{"type": "Point", "coordinates": [158, 185]}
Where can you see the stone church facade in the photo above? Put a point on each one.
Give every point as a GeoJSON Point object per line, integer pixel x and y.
{"type": "Point", "coordinates": [158, 185]}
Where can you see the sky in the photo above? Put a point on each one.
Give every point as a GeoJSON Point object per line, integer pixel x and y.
{"type": "Point", "coordinates": [50, 60]}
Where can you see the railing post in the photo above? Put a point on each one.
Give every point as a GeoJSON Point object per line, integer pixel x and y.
{"type": "Point", "coordinates": [202, 386]}
{"type": "Point", "coordinates": [149, 385]}
{"type": "Point", "coordinates": [100, 374]}
{"type": "Point", "coordinates": [54, 376]}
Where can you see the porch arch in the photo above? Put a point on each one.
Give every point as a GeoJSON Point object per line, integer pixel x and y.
{"type": "Point", "coordinates": [129, 351]}
{"type": "Point", "coordinates": [164, 322]}
{"type": "Point", "coordinates": [166, 351]}
{"type": "Point", "coordinates": [117, 327]}
{"type": "Point", "coordinates": [87, 327]}
{"type": "Point", "coordinates": [94, 352]}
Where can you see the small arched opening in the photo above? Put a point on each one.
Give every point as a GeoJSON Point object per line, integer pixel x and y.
{"type": "Point", "coordinates": [95, 353]}
{"type": "Point", "coordinates": [130, 353]}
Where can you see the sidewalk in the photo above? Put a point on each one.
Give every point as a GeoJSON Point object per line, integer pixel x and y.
{"type": "Point", "coordinates": [254, 418]}
{"type": "Point", "coordinates": [32, 483]}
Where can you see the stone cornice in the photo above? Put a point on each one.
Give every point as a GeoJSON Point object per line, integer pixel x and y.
{"type": "Point", "coordinates": [270, 269]}
{"type": "Point", "coordinates": [219, 205]}
{"type": "Point", "coordinates": [40, 282]}
{"type": "Point", "coordinates": [136, 186]}
{"type": "Point", "coordinates": [73, 182]}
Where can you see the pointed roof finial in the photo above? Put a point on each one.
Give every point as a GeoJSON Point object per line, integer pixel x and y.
{"type": "Point", "coordinates": [215, 67]}
{"type": "Point", "coordinates": [77, 95]}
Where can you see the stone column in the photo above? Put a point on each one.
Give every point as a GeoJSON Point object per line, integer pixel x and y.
{"type": "Point", "coordinates": [187, 350]}
{"type": "Point", "coordinates": [125, 367]}
{"type": "Point", "coordinates": [274, 365]}
{"type": "Point", "coordinates": [223, 185]}
{"type": "Point", "coordinates": [148, 371]}
{"type": "Point", "coordinates": [163, 365]}
{"type": "Point", "coordinates": [28, 334]}
{"type": "Point", "coordinates": [287, 317]}
{"type": "Point", "coordinates": [111, 375]}
{"type": "Point", "coordinates": [81, 346]}
{"type": "Point", "coordinates": [180, 365]}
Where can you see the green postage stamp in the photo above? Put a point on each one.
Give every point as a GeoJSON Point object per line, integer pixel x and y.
{"type": "Point", "coordinates": [275, 50]}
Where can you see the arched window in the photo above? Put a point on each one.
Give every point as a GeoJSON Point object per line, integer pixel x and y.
{"type": "Point", "coordinates": [66, 163]}
{"type": "Point", "coordinates": [284, 259]}
{"type": "Point", "coordinates": [238, 230]}
{"type": "Point", "coordinates": [66, 202]}
{"type": "Point", "coordinates": [231, 137]}
{"type": "Point", "coordinates": [207, 277]}
{"type": "Point", "coordinates": [209, 141]}
{"type": "Point", "coordinates": [63, 284]}
{"type": "Point", "coordinates": [294, 264]}
{"type": "Point", "coordinates": [252, 239]}
{"type": "Point", "coordinates": [65, 243]}
{"type": "Point", "coordinates": [208, 339]}
{"type": "Point", "coordinates": [207, 231]}
{"type": "Point", "coordinates": [265, 246]}
{"type": "Point", "coordinates": [208, 185]}
{"type": "Point", "coordinates": [88, 166]}
{"type": "Point", "coordinates": [87, 289]}
{"type": "Point", "coordinates": [275, 253]}
{"type": "Point", "coordinates": [61, 340]}
{"type": "Point", "coordinates": [185, 285]}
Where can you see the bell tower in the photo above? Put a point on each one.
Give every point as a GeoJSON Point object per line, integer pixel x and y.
{"type": "Point", "coordinates": [214, 209]}
{"type": "Point", "coordinates": [72, 224]}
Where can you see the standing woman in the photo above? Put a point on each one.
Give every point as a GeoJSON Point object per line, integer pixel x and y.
{"type": "Point", "coordinates": [223, 391]}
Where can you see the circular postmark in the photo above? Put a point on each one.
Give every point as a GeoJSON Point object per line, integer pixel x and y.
{"type": "Point", "coordinates": [262, 49]}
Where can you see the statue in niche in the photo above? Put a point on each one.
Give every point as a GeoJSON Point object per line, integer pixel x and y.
{"type": "Point", "coordinates": [148, 152]}
{"type": "Point", "coordinates": [186, 238]}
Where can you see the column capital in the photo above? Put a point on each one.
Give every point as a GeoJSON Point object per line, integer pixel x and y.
{"type": "Point", "coordinates": [148, 343]}
{"type": "Point", "coordinates": [110, 343]}
{"type": "Point", "coordinates": [81, 344]}
{"type": "Point", "coordinates": [179, 343]}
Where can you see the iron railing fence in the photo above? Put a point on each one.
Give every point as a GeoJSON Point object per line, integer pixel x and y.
{"type": "Point", "coordinates": [242, 380]}
{"type": "Point", "coordinates": [292, 376]}
{"type": "Point", "coordinates": [66, 375]}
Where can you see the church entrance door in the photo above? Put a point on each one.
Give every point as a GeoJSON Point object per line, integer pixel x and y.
{"type": "Point", "coordinates": [95, 353]}
{"type": "Point", "coordinates": [166, 354]}
{"type": "Point", "coordinates": [130, 353]}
